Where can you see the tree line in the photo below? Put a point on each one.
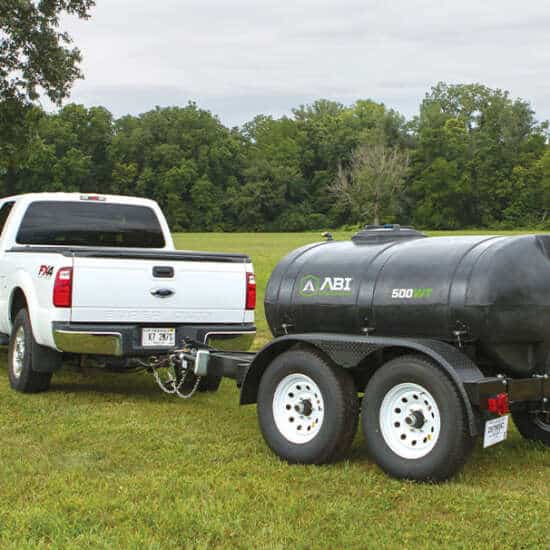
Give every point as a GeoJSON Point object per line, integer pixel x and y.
{"type": "Point", "coordinates": [473, 158]}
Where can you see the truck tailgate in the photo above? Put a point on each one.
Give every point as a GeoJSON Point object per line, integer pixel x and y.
{"type": "Point", "coordinates": [128, 290]}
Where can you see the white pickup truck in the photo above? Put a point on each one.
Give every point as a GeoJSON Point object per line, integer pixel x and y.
{"type": "Point", "coordinates": [97, 275]}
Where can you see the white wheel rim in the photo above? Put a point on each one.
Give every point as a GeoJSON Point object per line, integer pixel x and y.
{"type": "Point", "coordinates": [410, 420]}
{"type": "Point", "coordinates": [18, 353]}
{"type": "Point", "coordinates": [298, 408]}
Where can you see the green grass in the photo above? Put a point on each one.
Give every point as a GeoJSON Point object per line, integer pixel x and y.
{"type": "Point", "coordinates": [106, 460]}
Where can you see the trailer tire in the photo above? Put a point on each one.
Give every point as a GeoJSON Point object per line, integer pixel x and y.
{"type": "Point", "coordinates": [414, 421]}
{"type": "Point", "coordinates": [24, 355]}
{"type": "Point", "coordinates": [532, 427]}
{"type": "Point", "coordinates": [307, 408]}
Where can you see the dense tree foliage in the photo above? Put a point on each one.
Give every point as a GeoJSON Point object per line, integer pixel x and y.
{"type": "Point", "coordinates": [477, 158]}
{"type": "Point", "coordinates": [36, 57]}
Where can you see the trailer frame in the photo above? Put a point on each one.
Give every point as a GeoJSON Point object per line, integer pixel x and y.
{"type": "Point", "coordinates": [350, 351]}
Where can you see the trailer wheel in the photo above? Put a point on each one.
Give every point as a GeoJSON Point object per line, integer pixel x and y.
{"type": "Point", "coordinates": [23, 354]}
{"type": "Point", "coordinates": [533, 426]}
{"type": "Point", "coordinates": [414, 421]}
{"type": "Point", "coordinates": [307, 408]}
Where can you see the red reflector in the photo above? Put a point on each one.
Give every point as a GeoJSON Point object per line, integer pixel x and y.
{"type": "Point", "coordinates": [498, 404]}
{"type": "Point", "coordinates": [250, 291]}
{"type": "Point", "coordinates": [63, 288]}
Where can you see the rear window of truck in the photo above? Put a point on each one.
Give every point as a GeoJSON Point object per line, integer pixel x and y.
{"type": "Point", "coordinates": [90, 224]}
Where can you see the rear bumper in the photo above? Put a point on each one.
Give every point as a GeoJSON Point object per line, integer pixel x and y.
{"type": "Point", "coordinates": [124, 340]}
{"type": "Point", "coordinates": [536, 389]}
{"type": "Point", "coordinates": [88, 342]}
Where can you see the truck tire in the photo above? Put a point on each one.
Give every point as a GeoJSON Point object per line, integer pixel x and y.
{"type": "Point", "coordinates": [25, 357]}
{"type": "Point", "coordinates": [535, 427]}
{"type": "Point", "coordinates": [210, 383]}
{"type": "Point", "coordinates": [414, 421]}
{"type": "Point", "coordinates": [307, 408]}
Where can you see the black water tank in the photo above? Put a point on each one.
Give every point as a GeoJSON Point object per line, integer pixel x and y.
{"type": "Point", "coordinates": [490, 291]}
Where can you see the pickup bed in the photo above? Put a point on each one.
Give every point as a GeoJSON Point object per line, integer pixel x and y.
{"type": "Point", "coordinates": [99, 275]}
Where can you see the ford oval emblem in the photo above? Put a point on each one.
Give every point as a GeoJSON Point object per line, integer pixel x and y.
{"type": "Point", "coordinates": [162, 292]}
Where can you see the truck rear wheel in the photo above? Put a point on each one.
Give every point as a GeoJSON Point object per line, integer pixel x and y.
{"type": "Point", "coordinates": [414, 421]}
{"type": "Point", "coordinates": [307, 408]}
{"type": "Point", "coordinates": [25, 356]}
{"type": "Point", "coordinates": [533, 426]}
{"type": "Point", "coordinates": [209, 383]}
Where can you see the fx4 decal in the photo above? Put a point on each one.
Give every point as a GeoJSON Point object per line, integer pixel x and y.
{"type": "Point", "coordinates": [312, 285]}
{"type": "Point", "coordinates": [45, 271]}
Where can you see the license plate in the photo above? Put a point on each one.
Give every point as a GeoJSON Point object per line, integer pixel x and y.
{"type": "Point", "coordinates": [156, 337]}
{"type": "Point", "coordinates": [496, 430]}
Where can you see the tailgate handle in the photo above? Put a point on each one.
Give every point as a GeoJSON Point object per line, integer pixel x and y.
{"type": "Point", "coordinates": [163, 271]}
{"type": "Point", "coordinates": [162, 292]}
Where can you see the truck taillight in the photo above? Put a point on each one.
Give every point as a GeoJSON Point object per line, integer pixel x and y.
{"type": "Point", "coordinates": [63, 288]}
{"type": "Point", "coordinates": [250, 291]}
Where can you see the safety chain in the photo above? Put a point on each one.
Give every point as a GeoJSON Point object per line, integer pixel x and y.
{"type": "Point", "coordinates": [172, 386]}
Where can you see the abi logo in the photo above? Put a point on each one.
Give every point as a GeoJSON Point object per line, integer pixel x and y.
{"type": "Point", "coordinates": [312, 285]}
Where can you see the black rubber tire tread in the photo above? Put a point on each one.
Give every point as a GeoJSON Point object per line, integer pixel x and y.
{"type": "Point", "coordinates": [30, 380]}
{"type": "Point", "coordinates": [453, 446]}
{"type": "Point", "coordinates": [341, 408]}
{"type": "Point", "coordinates": [209, 383]}
{"type": "Point", "coordinates": [528, 429]}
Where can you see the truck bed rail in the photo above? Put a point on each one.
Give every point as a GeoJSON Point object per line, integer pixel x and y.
{"type": "Point", "coordinates": [134, 254]}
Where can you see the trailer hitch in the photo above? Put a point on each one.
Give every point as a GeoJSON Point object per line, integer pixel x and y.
{"type": "Point", "coordinates": [180, 372]}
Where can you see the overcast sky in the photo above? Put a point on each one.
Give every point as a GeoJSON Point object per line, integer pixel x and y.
{"type": "Point", "coordinates": [240, 58]}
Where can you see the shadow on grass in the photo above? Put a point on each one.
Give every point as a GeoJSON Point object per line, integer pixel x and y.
{"type": "Point", "coordinates": [515, 455]}
{"type": "Point", "coordinates": [130, 385]}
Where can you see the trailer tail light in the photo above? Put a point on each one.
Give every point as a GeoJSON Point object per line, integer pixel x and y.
{"type": "Point", "coordinates": [250, 291]}
{"type": "Point", "coordinates": [499, 404]}
{"type": "Point", "coordinates": [63, 288]}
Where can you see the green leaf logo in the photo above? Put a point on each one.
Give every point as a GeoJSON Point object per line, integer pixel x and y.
{"type": "Point", "coordinates": [309, 285]}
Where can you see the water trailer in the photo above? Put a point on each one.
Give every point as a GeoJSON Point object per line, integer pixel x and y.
{"type": "Point", "coordinates": [433, 340]}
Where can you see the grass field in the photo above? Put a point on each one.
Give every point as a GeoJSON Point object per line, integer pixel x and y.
{"type": "Point", "coordinates": [106, 460]}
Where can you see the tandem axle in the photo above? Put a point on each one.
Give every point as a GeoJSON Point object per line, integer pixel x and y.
{"type": "Point", "coordinates": [418, 395]}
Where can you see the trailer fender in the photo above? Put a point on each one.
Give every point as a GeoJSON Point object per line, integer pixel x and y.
{"type": "Point", "coordinates": [348, 351]}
